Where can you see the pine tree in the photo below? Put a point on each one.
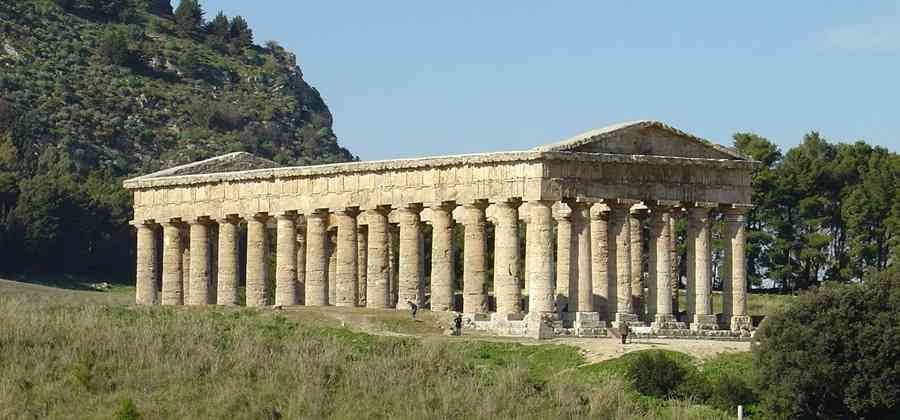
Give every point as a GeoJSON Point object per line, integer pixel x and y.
{"type": "Point", "coordinates": [241, 34]}
{"type": "Point", "coordinates": [189, 17]}
{"type": "Point", "coordinates": [219, 27]}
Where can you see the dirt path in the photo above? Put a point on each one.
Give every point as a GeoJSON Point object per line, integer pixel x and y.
{"type": "Point", "coordinates": [600, 349]}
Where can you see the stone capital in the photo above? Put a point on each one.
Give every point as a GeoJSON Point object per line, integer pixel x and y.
{"type": "Point", "coordinates": [599, 211]}
{"type": "Point", "coordinates": [230, 219]}
{"type": "Point", "coordinates": [447, 206]}
{"type": "Point", "coordinates": [478, 204]}
{"type": "Point", "coordinates": [736, 214]}
{"type": "Point", "coordinates": [260, 217]}
{"type": "Point", "coordinates": [509, 202]}
{"type": "Point", "coordinates": [175, 222]}
{"type": "Point", "coordinates": [202, 220]}
{"type": "Point", "coordinates": [347, 211]}
{"type": "Point", "coordinates": [621, 203]}
{"type": "Point", "coordinates": [288, 215]}
{"type": "Point", "coordinates": [138, 223]}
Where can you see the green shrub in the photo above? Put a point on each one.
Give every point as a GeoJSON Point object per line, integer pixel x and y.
{"type": "Point", "coordinates": [127, 410]}
{"type": "Point", "coordinates": [658, 374]}
{"type": "Point", "coordinates": [835, 353]}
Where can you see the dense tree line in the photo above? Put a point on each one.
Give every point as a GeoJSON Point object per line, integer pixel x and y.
{"type": "Point", "coordinates": [824, 211]}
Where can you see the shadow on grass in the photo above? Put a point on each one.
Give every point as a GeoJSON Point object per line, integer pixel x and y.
{"type": "Point", "coordinates": [67, 281]}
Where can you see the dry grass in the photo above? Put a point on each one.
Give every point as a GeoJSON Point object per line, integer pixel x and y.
{"type": "Point", "coordinates": [63, 359]}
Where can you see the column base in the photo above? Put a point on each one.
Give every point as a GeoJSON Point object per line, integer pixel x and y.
{"type": "Point", "coordinates": [588, 324]}
{"type": "Point", "coordinates": [540, 325]}
{"type": "Point", "coordinates": [625, 318]}
{"type": "Point", "coordinates": [741, 323]}
{"type": "Point", "coordinates": [666, 322]}
{"type": "Point", "coordinates": [704, 323]}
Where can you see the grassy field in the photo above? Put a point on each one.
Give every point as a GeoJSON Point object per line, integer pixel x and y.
{"type": "Point", "coordinates": [757, 304]}
{"type": "Point", "coordinates": [70, 353]}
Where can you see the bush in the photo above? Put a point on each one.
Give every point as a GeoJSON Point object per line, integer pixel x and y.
{"type": "Point", "coordinates": [114, 47]}
{"type": "Point", "coordinates": [835, 353]}
{"type": "Point", "coordinates": [657, 373]}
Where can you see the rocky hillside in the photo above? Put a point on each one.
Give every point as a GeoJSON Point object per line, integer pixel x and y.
{"type": "Point", "coordinates": [123, 85]}
{"type": "Point", "coordinates": [93, 91]}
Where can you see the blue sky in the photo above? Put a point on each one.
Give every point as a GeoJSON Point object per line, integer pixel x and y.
{"type": "Point", "coordinates": [416, 78]}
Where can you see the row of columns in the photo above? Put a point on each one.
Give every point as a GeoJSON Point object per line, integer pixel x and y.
{"type": "Point", "coordinates": [598, 261]}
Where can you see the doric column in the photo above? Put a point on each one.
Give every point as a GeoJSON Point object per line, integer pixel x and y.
{"type": "Point", "coordinates": [172, 281]}
{"type": "Point", "coordinates": [506, 258]}
{"type": "Point", "coordinates": [599, 258]}
{"type": "Point", "coordinates": [200, 263]}
{"type": "Point", "coordinates": [442, 257]}
{"type": "Point", "coordinates": [474, 275]}
{"type": "Point", "coordinates": [734, 280]}
{"type": "Point", "coordinates": [227, 287]}
{"type": "Point", "coordinates": [619, 250]}
{"type": "Point", "coordinates": [147, 268]}
{"type": "Point", "coordinates": [636, 221]}
{"type": "Point", "coordinates": [583, 297]}
{"type": "Point", "coordinates": [410, 270]}
{"type": "Point", "coordinates": [378, 264]}
{"type": "Point", "coordinates": [331, 272]}
{"type": "Point", "coordinates": [699, 269]}
{"type": "Point", "coordinates": [286, 287]}
{"type": "Point", "coordinates": [565, 300]}
{"type": "Point", "coordinates": [316, 258]}
{"type": "Point", "coordinates": [185, 262]}
{"type": "Point", "coordinates": [362, 245]}
{"type": "Point", "coordinates": [540, 258]}
{"type": "Point", "coordinates": [257, 288]}
{"type": "Point", "coordinates": [301, 259]}
{"type": "Point", "coordinates": [347, 257]}
{"type": "Point", "coordinates": [394, 260]}
{"type": "Point", "coordinates": [660, 267]}
{"type": "Point", "coordinates": [673, 258]}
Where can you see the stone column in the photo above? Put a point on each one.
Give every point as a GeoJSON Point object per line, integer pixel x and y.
{"type": "Point", "coordinates": [565, 300]}
{"type": "Point", "coordinates": [185, 263]}
{"type": "Point", "coordinates": [257, 288]}
{"type": "Point", "coordinates": [506, 258]}
{"type": "Point", "coordinates": [474, 275]}
{"type": "Point", "coordinates": [200, 263]}
{"type": "Point", "coordinates": [286, 287]}
{"type": "Point", "coordinates": [442, 272]}
{"type": "Point", "coordinates": [410, 270]}
{"type": "Point", "coordinates": [316, 258]}
{"type": "Point", "coordinates": [660, 268]}
{"type": "Point", "coordinates": [673, 258]}
{"type": "Point", "coordinates": [599, 258]}
{"type": "Point", "coordinates": [636, 221]}
{"type": "Point", "coordinates": [734, 279]}
{"type": "Point", "coordinates": [540, 258]}
{"type": "Point", "coordinates": [172, 281]}
{"type": "Point", "coordinates": [362, 245]}
{"type": "Point", "coordinates": [147, 268]}
{"type": "Point", "coordinates": [331, 271]}
{"type": "Point", "coordinates": [347, 258]}
{"type": "Point", "coordinates": [301, 260]}
{"type": "Point", "coordinates": [619, 250]}
{"type": "Point", "coordinates": [394, 260]}
{"type": "Point", "coordinates": [378, 265]}
{"type": "Point", "coordinates": [227, 291]}
{"type": "Point", "coordinates": [581, 258]}
{"type": "Point", "coordinates": [699, 270]}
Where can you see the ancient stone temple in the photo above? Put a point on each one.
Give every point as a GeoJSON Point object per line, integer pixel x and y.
{"type": "Point", "coordinates": [566, 238]}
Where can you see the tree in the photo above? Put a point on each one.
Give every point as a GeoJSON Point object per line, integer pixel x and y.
{"type": "Point", "coordinates": [189, 17]}
{"type": "Point", "coordinates": [241, 34]}
{"type": "Point", "coordinates": [114, 47]}
{"type": "Point", "coordinates": [219, 27]}
{"type": "Point", "coordinates": [834, 353]}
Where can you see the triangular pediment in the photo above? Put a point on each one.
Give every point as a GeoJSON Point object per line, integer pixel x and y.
{"type": "Point", "coordinates": [232, 162]}
{"type": "Point", "coordinates": [643, 138]}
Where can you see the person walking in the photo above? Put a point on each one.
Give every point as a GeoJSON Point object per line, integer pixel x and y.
{"type": "Point", "coordinates": [457, 324]}
{"type": "Point", "coordinates": [413, 308]}
{"type": "Point", "coordinates": [625, 331]}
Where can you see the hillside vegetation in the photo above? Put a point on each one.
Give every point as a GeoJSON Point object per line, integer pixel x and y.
{"type": "Point", "coordinates": [94, 91]}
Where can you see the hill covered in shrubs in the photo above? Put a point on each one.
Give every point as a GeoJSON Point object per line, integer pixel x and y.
{"type": "Point", "coordinates": [92, 91]}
